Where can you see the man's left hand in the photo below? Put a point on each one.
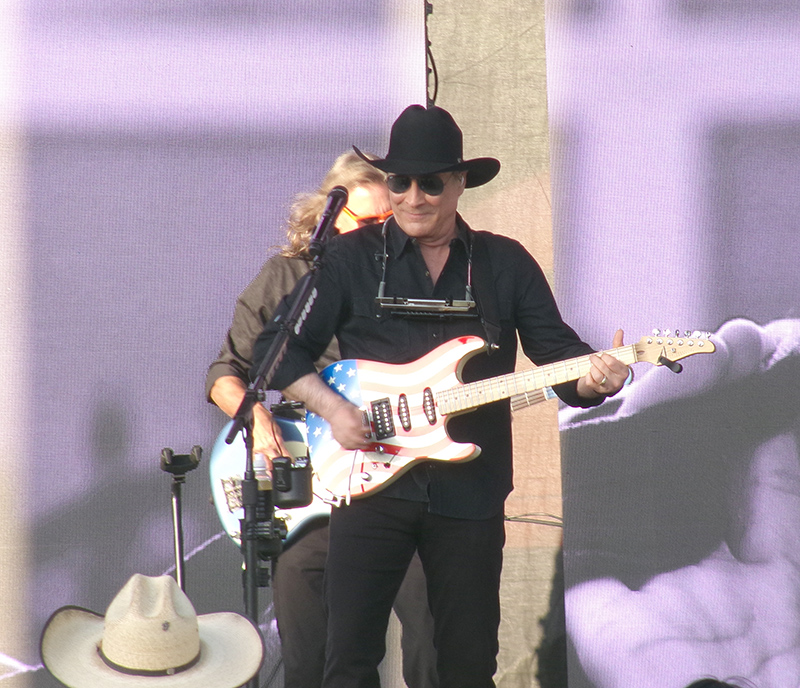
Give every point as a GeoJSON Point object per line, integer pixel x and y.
{"type": "Point", "coordinates": [607, 374]}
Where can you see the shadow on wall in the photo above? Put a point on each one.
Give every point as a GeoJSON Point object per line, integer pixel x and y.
{"type": "Point", "coordinates": [752, 178]}
{"type": "Point", "coordinates": [658, 489]}
{"type": "Point", "coordinates": [84, 550]}
{"type": "Point", "coordinates": [736, 9]}
{"type": "Point", "coordinates": [122, 524]}
{"type": "Point", "coordinates": [658, 477]}
{"type": "Point", "coordinates": [682, 518]}
{"type": "Point", "coordinates": [551, 655]}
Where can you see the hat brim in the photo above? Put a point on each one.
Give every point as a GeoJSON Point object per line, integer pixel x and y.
{"type": "Point", "coordinates": [479, 170]}
{"type": "Point", "coordinates": [231, 653]}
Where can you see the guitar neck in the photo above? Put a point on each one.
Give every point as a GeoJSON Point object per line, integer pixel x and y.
{"type": "Point", "coordinates": [474, 394]}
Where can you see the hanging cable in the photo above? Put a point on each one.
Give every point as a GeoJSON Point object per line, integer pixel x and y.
{"type": "Point", "coordinates": [430, 64]}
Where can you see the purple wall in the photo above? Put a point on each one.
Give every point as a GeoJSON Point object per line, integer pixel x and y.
{"type": "Point", "coordinates": [163, 144]}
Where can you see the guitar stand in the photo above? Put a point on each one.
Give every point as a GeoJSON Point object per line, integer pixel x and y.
{"type": "Point", "coordinates": [179, 465]}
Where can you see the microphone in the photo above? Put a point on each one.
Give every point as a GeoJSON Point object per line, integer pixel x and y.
{"type": "Point", "coordinates": [337, 199]}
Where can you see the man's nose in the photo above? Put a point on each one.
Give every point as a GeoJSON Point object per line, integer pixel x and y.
{"type": "Point", "coordinates": [415, 195]}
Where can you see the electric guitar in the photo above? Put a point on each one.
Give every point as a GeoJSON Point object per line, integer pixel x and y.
{"type": "Point", "coordinates": [226, 470]}
{"type": "Point", "coordinates": [227, 463]}
{"type": "Point", "coordinates": [408, 406]}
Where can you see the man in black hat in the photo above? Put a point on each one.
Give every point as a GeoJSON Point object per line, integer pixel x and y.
{"type": "Point", "coordinates": [393, 294]}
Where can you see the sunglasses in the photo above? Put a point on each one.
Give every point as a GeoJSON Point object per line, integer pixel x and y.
{"type": "Point", "coordinates": [364, 220]}
{"type": "Point", "coordinates": [430, 184]}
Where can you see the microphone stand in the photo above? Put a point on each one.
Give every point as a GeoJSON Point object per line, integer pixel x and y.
{"type": "Point", "coordinates": [262, 537]}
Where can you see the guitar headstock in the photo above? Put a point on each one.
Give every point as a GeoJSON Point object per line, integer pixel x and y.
{"type": "Point", "coordinates": [664, 347]}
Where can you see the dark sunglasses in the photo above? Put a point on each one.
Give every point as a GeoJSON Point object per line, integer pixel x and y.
{"type": "Point", "coordinates": [430, 184]}
{"type": "Point", "coordinates": [364, 220]}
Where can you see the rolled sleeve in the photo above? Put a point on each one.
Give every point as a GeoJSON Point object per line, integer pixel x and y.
{"type": "Point", "coordinates": [253, 311]}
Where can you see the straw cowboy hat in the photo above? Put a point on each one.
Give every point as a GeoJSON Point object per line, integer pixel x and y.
{"type": "Point", "coordinates": [152, 637]}
{"type": "Point", "coordinates": [428, 141]}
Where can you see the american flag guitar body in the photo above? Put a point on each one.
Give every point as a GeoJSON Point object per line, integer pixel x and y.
{"type": "Point", "coordinates": [408, 406]}
{"type": "Point", "coordinates": [227, 463]}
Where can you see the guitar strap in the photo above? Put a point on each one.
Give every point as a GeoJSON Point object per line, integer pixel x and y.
{"type": "Point", "coordinates": [485, 297]}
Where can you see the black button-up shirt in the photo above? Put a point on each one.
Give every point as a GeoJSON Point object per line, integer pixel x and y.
{"type": "Point", "coordinates": [522, 302]}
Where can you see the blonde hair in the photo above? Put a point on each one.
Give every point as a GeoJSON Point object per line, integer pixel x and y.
{"type": "Point", "coordinates": [348, 171]}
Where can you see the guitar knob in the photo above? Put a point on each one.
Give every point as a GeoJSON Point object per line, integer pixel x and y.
{"type": "Point", "coordinates": [366, 477]}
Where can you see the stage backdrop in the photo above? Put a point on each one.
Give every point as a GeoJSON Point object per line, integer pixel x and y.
{"type": "Point", "coordinates": [676, 150]}
{"type": "Point", "coordinates": [149, 154]}
{"type": "Point", "coordinates": [490, 61]}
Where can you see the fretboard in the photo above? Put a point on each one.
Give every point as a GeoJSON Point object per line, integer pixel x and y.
{"type": "Point", "coordinates": [475, 394]}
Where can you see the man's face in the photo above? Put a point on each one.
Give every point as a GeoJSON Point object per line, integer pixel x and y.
{"type": "Point", "coordinates": [428, 218]}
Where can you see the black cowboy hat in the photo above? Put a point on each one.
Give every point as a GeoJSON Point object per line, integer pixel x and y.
{"type": "Point", "coordinates": [427, 141]}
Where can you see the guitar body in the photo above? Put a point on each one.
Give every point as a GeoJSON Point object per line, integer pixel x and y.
{"type": "Point", "coordinates": [407, 394]}
{"type": "Point", "coordinates": [226, 470]}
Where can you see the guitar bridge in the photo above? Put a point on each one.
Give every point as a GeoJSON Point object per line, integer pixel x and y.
{"type": "Point", "coordinates": [382, 422]}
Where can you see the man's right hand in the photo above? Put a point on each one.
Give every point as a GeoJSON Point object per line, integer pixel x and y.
{"type": "Point", "coordinates": [349, 425]}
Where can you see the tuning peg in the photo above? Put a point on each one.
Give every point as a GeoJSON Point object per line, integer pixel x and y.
{"type": "Point", "coordinates": [656, 332]}
{"type": "Point", "coordinates": [666, 333]}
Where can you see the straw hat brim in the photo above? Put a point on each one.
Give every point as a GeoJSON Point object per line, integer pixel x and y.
{"type": "Point", "coordinates": [231, 653]}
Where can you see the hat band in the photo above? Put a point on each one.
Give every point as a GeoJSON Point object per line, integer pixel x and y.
{"type": "Point", "coordinates": [171, 671]}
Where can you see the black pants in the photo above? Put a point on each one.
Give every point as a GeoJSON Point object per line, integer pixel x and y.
{"type": "Point", "coordinates": [372, 542]}
{"type": "Point", "coordinates": [302, 620]}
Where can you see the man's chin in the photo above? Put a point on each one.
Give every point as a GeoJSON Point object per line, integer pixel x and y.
{"type": "Point", "coordinates": [417, 226]}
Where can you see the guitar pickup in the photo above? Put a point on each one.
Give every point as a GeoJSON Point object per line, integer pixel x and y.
{"type": "Point", "coordinates": [403, 412]}
{"type": "Point", "coordinates": [382, 421]}
{"type": "Point", "coordinates": [428, 405]}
